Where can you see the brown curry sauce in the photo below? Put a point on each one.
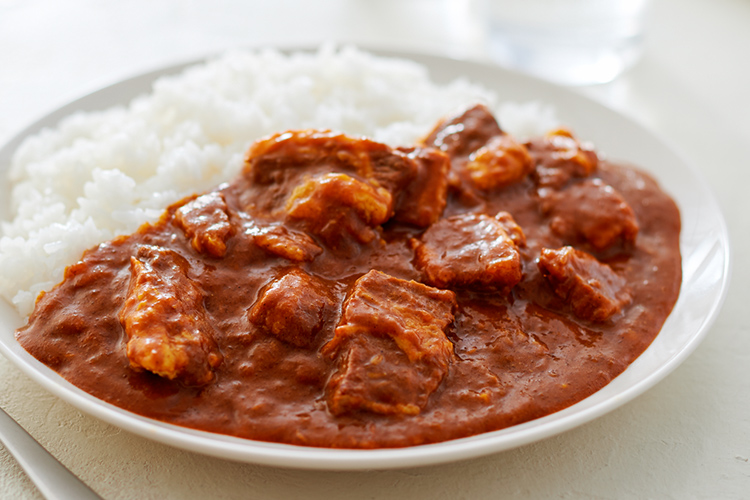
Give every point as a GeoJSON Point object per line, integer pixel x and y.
{"type": "Point", "coordinates": [341, 293]}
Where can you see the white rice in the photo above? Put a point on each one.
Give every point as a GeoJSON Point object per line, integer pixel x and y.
{"type": "Point", "coordinates": [102, 174]}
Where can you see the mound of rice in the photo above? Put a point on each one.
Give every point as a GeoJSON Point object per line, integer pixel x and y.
{"type": "Point", "coordinates": [103, 174]}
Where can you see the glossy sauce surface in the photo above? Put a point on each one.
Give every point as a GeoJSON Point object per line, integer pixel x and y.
{"type": "Point", "coordinates": [341, 293]}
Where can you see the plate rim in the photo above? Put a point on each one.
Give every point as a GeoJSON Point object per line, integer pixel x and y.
{"type": "Point", "coordinates": [300, 457]}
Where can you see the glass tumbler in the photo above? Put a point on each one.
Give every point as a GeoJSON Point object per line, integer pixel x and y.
{"type": "Point", "coordinates": [572, 42]}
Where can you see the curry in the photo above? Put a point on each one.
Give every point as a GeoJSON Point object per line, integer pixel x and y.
{"type": "Point", "coordinates": [343, 293]}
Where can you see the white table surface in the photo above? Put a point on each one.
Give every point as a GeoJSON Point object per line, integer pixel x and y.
{"type": "Point", "coordinates": [689, 437]}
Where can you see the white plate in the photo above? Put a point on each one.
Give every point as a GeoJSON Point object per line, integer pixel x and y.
{"type": "Point", "coordinates": [705, 253]}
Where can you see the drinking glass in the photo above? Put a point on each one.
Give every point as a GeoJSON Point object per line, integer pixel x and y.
{"type": "Point", "coordinates": [573, 42]}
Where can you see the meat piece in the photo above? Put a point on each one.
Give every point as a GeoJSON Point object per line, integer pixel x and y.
{"type": "Point", "coordinates": [205, 221]}
{"type": "Point", "coordinates": [375, 376]}
{"type": "Point", "coordinates": [499, 163]}
{"type": "Point", "coordinates": [168, 331]}
{"type": "Point", "coordinates": [414, 177]}
{"type": "Point", "coordinates": [468, 250]}
{"type": "Point", "coordinates": [560, 156]}
{"type": "Point", "coordinates": [422, 200]}
{"type": "Point", "coordinates": [279, 164]}
{"type": "Point", "coordinates": [391, 344]}
{"type": "Point", "coordinates": [592, 289]}
{"type": "Point", "coordinates": [294, 308]}
{"type": "Point", "coordinates": [284, 242]}
{"type": "Point", "coordinates": [464, 133]}
{"type": "Point", "coordinates": [593, 213]}
{"type": "Point", "coordinates": [338, 207]}
{"type": "Point", "coordinates": [512, 228]}
{"type": "Point", "coordinates": [460, 136]}
{"type": "Point", "coordinates": [271, 160]}
{"type": "Point", "coordinates": [392, 169]}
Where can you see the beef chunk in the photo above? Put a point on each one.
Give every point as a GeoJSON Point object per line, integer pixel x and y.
{"type": "Point", "coordinates": [422, 201]}
{"type": "Point", "coordinates": [592, 213]}
{"type": "Point", "coordinates": [462, 137]}
{"type": "Point", "coordinates": [592, 289]}
{"type": "Point", "coordinates": [415, 178]}
{"type": "Point", "coordinates": [279, 163]}
{"type": "Point", "coordinates": [284, 242]}
{"type": "Point", "coordinates": [560, 156]}
{"type": "Point", "coordinates": [294, 307]}
{"type": "Point", "coordinates": [391, 169]}
{"type": "Point", "coordinates": [163, 316]}
{"type": "Point", "coordinates": [512, 228]}
{"type": "Point", "coordinates": [338, 207]}
{"type": "Point", "coordinates": [273, 159]}
{"type": "Point", "coordinates": [468, 250]}
{"type": "Point", "coordinates": [205, 221]}
{"type": "Point", "coordinates": [391, 344]}
{"type": "Point", "coordinates": [464, 133]}
{"type": "Point", "coordinates": [499, 163]}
